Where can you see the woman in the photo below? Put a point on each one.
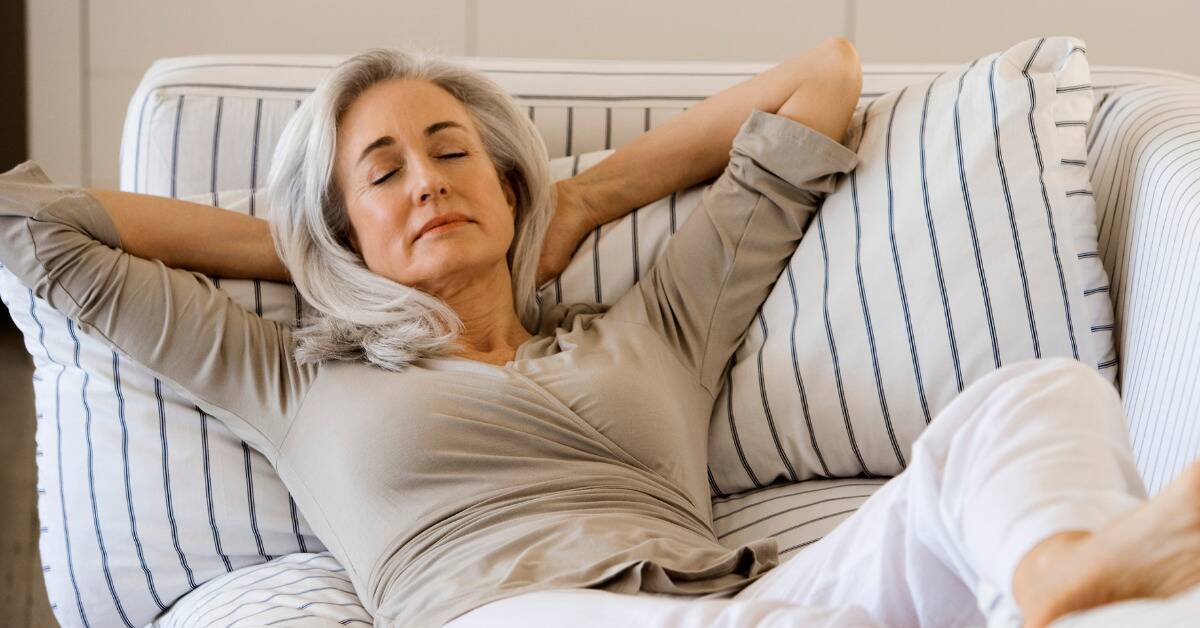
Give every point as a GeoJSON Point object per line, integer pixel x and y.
{"type": "Point", "coordinates": [469, 466]}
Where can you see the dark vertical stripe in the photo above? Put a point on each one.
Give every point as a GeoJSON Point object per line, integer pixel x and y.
{"type": "Point", "coordinates": [531, 118]}
{"type": "Point", "coordinates": [1012, 218]}
{"type": "Point", "coordinates": [175, 147]}
{"type": "Point", "coordinates": [87, 431]}
{"type": "Point", "coordinates": [596, 264]}
{"type": "Point", "coordinates": [258, 103]}
{"type": "Point", "coordinates": [912, 341]}
{"type": "Point", "coordinates": [933, 242]}
{"type": "Point", "coordinates": [812, 434]}
{"type": "Point", "coordinates": [837, 371]}
{"type": "Point", "coordinates": [212, 516]}
{"type": "Point", "coordinates": [607, 128]}
{"type": "Point", "coordinates": [570, 129]}
{"type": "Point", "coordinates": [712, 484]}
{"type": "Point", "coordinates": [1100, 123]}
{"type": "Point", "coordinates": [296, 524]}
{"type": "Point", "coordinates": [1037, 152]}
{"type": "Point", "coordinates": [862, 297]}
{"type": "Point", "coordinates": [646, 120]}
{"type": "Point", "coordinates": [633, 227]}
{"type": "Point", "coordinates": [733, 431]}
{"type": "Point", "coordinates": [962, 177]}
{"type": "Point", "coordinates": [762, 391]}
{"type": "Point", "coordinates": [166, 467]}
{"type": "Point", "coordinates": [250, 501]}
{"type": "Point", "coordinates": [133, 529]}
{"type": "Point", "coordinates": [216, 151]}
{"type": "Point", "coordinates": [671, 201]}
{"type": "Point", "coordinates": [62, 499]}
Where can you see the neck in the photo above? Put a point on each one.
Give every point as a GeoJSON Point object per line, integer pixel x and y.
{"type": "Point", "coordinates": [491, 329]}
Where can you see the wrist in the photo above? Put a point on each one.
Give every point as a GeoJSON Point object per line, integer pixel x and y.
{"type": "Point", "coordinates": [572, 199]}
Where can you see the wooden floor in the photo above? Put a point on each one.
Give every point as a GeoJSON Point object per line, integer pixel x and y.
{"type": "Point", "coordinates": [22, 590]}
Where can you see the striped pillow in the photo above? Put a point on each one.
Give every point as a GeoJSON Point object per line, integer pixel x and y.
{"type": "Point", "coordinates": [146, 497]}
{"type": "Point", "coordinates": [964, 240]}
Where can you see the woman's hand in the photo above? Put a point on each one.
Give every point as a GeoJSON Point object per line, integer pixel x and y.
{"type": "Point", "coordinates": [572, 222]}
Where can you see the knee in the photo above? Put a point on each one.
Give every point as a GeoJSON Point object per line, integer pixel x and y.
{"type": "Point", "coordinates": [1046, 391]}
{"type": "Point", "coordinates": [1045, 373]}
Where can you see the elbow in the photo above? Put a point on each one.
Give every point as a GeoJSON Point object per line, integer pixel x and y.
{"type": "Point", "coordinates": [844, 68]}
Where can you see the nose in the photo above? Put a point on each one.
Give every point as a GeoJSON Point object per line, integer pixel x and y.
{"type": "Point", "coordinates": [425, 195]}
{"type": "Point", "coordinates": [430, 181]}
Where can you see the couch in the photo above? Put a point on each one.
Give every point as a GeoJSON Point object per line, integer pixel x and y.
{"type": "Point", "coordinates": [203, 128]}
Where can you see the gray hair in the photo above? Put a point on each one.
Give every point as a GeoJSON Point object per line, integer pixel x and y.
{"type": "Point", "coordinates": [355, 313]}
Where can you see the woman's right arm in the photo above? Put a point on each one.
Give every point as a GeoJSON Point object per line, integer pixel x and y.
{"type": "Point", "coordinates": [62, 244]}
{"type": "Point", "coordinates": [202, 238]}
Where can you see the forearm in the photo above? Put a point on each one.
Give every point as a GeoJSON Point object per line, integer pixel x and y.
{"type": "Point", "coordinates": [694, 145]}
{"type": "Point", "coordinates": [193, 236]}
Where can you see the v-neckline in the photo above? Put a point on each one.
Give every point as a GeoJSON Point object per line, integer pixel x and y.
{"type": "Point", "coordinates": [506, 366]}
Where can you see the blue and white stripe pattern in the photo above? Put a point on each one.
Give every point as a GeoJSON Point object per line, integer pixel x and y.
{"type": "Point", "coordinates": [302, 589]}
{"type": "Point", "coordinates": [205, 128]}
{"type": "Point", "coordinates": [1145, 156]}
{"type": "Point", "coordinates": [951, 250]}
{"type": "Point", "coordinates": [795, 514]}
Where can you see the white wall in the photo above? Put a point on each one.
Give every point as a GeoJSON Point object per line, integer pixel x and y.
{"type": "Point", "coordinates": [86, 56]}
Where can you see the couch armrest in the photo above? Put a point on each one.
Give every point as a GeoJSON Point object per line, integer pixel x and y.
{"type": "Point", "coordinates": [1144, 151]}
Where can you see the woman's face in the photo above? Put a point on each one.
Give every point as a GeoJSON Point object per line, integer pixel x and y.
{"type": "Point", "coordinates": [408, 151]}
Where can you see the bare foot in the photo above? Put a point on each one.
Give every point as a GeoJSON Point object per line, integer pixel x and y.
{"type": "Point", "coordinates": [1150, 551]}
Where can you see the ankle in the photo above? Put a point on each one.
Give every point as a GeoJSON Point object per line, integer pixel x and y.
{"type": "Point", "coordinates": [1058, 576]}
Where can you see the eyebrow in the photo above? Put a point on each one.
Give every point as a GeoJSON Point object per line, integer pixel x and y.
{"type": "Point", "coordinates": [388, 140]}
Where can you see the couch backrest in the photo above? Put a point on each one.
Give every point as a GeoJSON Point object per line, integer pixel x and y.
{"type": "Point", "coordinates": [171, 125]}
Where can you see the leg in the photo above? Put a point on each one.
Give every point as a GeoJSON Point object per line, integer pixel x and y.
{"type": "Point", "coordinates": [591, 608]}
{"type": "Point", "coordinates": [1029, 451]}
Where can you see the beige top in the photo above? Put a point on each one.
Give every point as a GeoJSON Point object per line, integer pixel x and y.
{"type": "Point", "coordinates": [581, 463]}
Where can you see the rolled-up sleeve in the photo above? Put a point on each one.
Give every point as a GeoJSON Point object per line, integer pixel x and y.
{"type": "Point", "coordinates": [719, 267]}
{"type": "Point", "coordinates": [60, 242]}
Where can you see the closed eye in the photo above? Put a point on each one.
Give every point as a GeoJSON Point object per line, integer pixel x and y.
{"type": "Point", "coordinates": [448, 156]}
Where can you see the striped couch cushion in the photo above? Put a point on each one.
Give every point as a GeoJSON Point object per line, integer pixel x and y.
{"type": "Point", "coordinates": [141, 497]}
{"type": "Point", "coordinates": [795, 515]}
{"type": "Point", "coordinates": [303, 590]}
{"type": "Point", "coordinates": [964, 240]}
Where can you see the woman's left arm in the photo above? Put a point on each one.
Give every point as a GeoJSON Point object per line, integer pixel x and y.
{"type": "Point", "coordinates": [694, 146]}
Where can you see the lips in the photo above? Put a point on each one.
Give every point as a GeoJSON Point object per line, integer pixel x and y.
{"type": "Point", "coordinates": [440, 220]}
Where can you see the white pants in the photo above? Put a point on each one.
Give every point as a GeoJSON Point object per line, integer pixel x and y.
{"type": "Point", "coordinates": [1030, 450]}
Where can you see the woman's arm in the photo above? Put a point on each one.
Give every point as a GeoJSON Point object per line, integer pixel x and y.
{"type": "Point", "coordinates": [61, 243]}
{"type": "Point", "coordinates": [193, 236]}
{"type": "Point", "coordinates": [694, 146]}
